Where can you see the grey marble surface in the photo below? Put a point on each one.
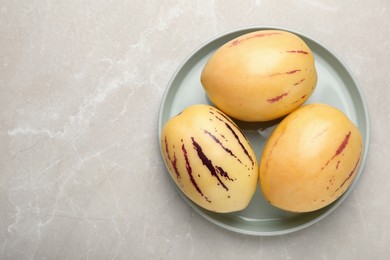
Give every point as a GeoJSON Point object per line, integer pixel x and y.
{"type": "Point", "coordinates": [81, 84]}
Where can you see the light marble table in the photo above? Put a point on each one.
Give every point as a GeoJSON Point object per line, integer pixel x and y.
{"type": "Point", "coordinates": [81, 84]}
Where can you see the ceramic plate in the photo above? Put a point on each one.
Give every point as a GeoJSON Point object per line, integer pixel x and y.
{"type": "Point", "coordinates": [336, 86]}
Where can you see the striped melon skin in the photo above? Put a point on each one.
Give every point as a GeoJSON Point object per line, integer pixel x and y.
{"type": "Point", "coordinates": [210, 159]}
{"type": "Point", "coordinates": [260, 76]}
{"type": "Point", "coordinates": [310, 159]}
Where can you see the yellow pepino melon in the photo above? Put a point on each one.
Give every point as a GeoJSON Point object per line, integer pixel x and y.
{"type": "Point", "coordinates": [210, 159]}
{"type": "Point", "coordinates": [260, 76]}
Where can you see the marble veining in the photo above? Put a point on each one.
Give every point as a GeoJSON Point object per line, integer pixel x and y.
{"type": "Point", "coordinates": [81, 83]}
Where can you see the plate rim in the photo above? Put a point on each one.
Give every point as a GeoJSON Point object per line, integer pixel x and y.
{"type": "Point", "coordinates": [366, 124]}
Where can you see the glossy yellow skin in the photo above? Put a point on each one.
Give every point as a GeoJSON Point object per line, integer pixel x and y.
{"type": "Point", "coordinates": [260, 76]}
{"type": "Point", "coordinates": [310, 159]}
{"type": "Point", "coordinates": [209, 159]}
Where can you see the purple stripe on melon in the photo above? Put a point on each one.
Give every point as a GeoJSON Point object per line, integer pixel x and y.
{"type": "Point", "coordinates": [299, 82]}
{"type": "Point", "coordinates": [343, 144]}
{"type": "Point", "coordinates": [234, 133]}
{"type": "Point", "coordinates": [207, 162]}
{"type": "Point", "coordinates": [223, 147]}
{"type": "Point", "coordinates": [234, 124]}
{"type": "Point", "coordinates": [350, 175]}
{"type": "Point", "coordinates": [277, 98]}
{"type": "Point", "coordinates": [284, 73]}
{"type": "Point", "coordinates": [340, 149]}
{"type": "Point", "coordinates": [174, 161]}
{"type": "Point", "coordinates": [227, 118]}
{"type": "Point", "coordinates": [223, 173]}
{"type": "Point", "coordinates": [292, 71]}
{"type": "Point", "coordinates": [238, 140]}
{"type": "Point", "coordinates": [298, 51]}
{"type": "Point", "coordinates": [166, 148]}
{"type": "Point", "coordinates": [238, 41]}
{"type": "Point", "coordinates": [189, 171]}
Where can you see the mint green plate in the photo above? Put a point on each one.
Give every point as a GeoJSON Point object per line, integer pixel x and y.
{"type": "Point", "coordinates": [336, 86]}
